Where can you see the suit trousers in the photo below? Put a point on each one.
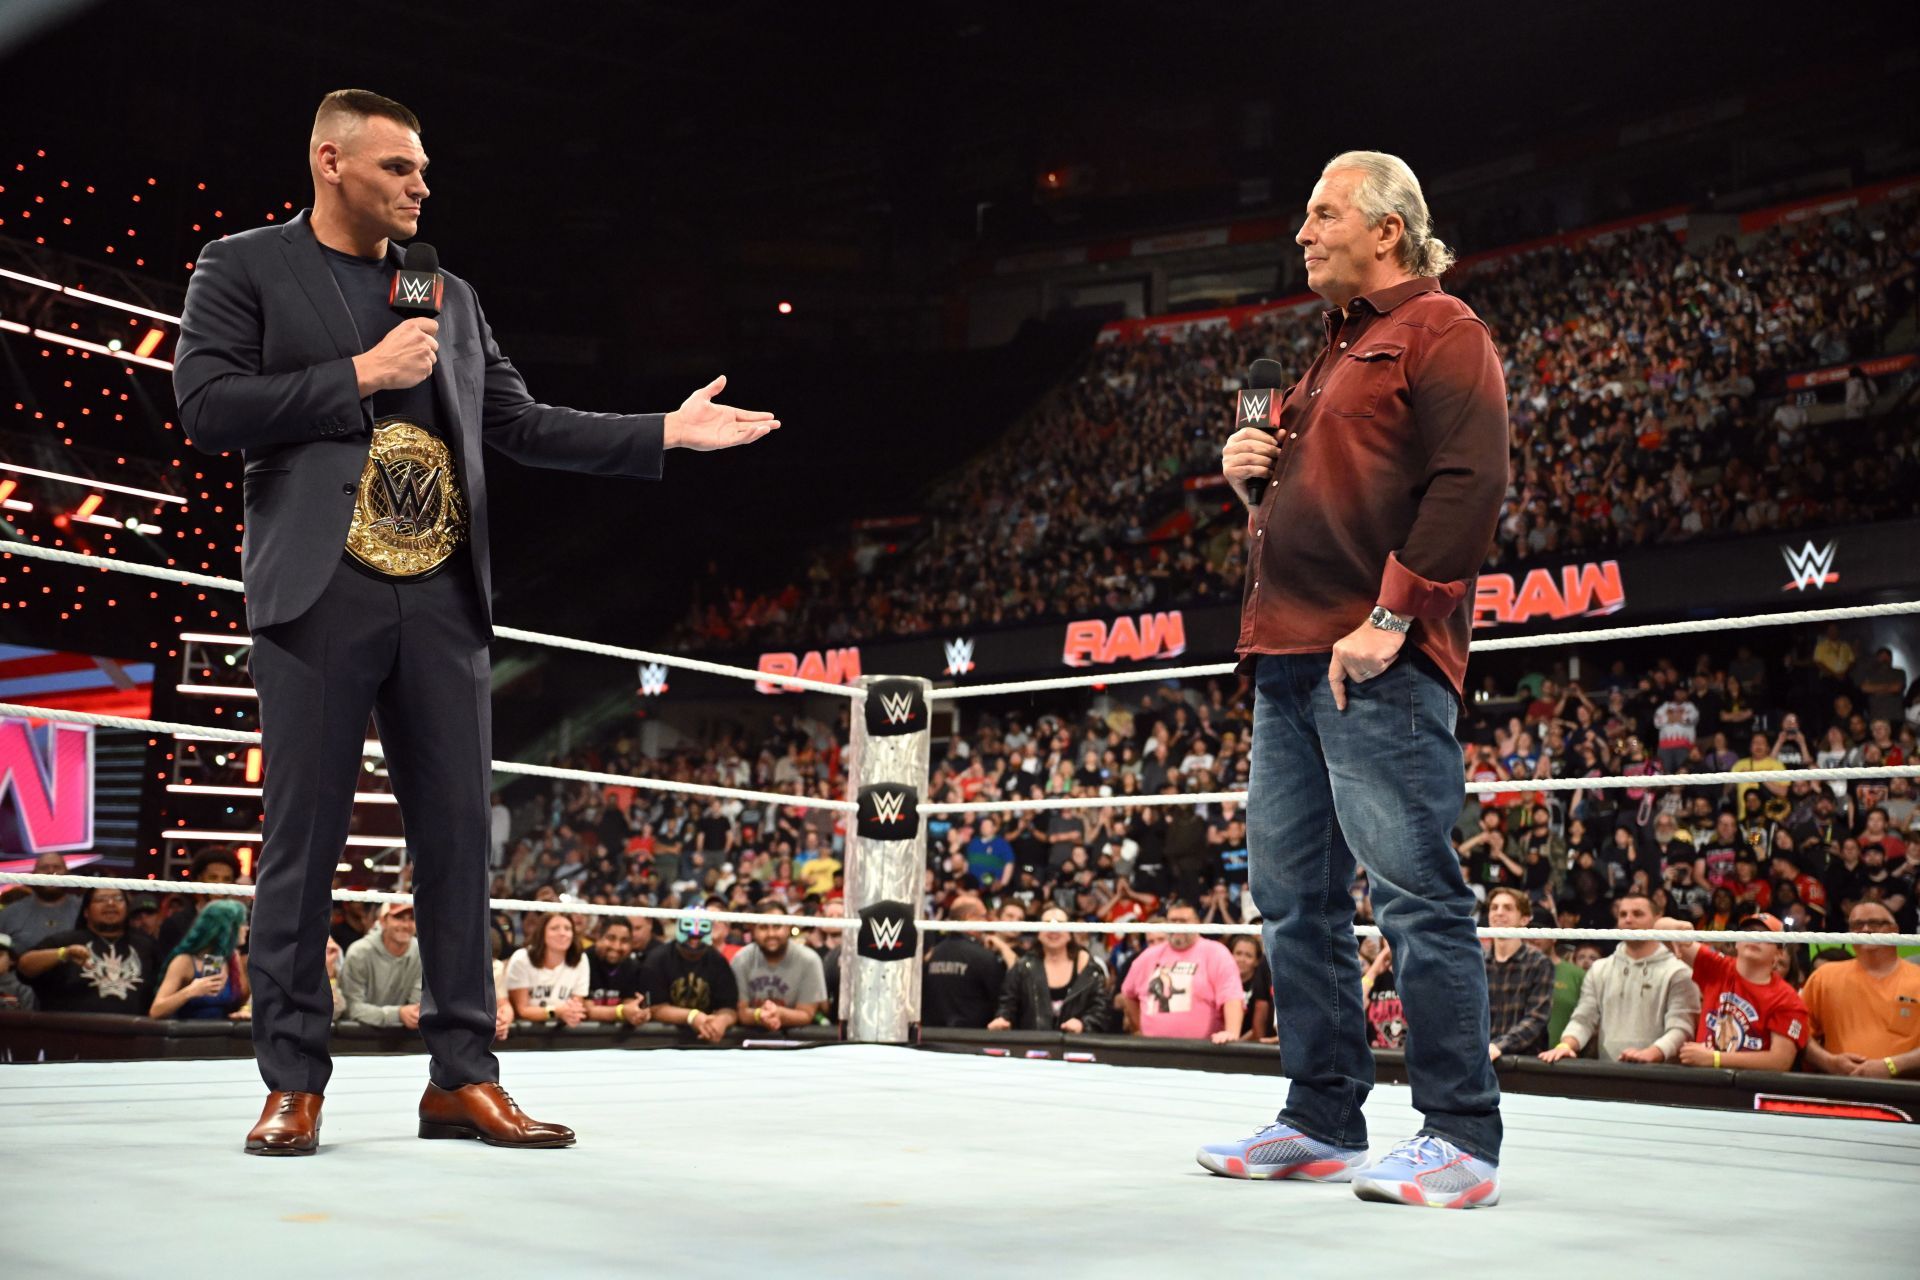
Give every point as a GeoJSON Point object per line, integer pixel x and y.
{"type": "Point", "coordinates": [413, 656]}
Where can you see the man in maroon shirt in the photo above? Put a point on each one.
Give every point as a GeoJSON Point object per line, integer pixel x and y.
{"type": "Point", "coordinates": [1386, 475]}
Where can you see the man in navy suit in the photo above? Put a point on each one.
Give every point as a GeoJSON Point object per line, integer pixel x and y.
{"type": "Point", "coordinates": [368, 587]}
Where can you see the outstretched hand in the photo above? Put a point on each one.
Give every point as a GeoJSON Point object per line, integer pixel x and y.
{"type": "Point", "coordinates": [701, 424]}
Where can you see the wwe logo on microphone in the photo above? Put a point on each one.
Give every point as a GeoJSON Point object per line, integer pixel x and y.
{"type": "Point", "coordinates": [1810, 566]}
{"type": "Point", "coordinates": [653, 679]}
{"type": "Point", "coordinates": [415, 289]}
{"type": "Point", "coordinates": [959, 657]}
{"type": "Point", "coordinates": [1253, 406]}
{"type": "Point", "coordinates": [887, 806]}
{"type": "Point", "coordinates": [897, 707]}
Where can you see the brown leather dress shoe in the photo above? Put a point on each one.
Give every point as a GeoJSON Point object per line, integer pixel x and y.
{"type": "Point", "coordinates": [289, 1125]}
{"type": "Point", "coordinates": [486, 1112]}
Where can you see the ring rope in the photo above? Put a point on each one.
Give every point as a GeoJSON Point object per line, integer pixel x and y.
{"type": "Point", "coordinates": [1490, 645]}
{"type": "Point", "coordinates": [1651, 781]}
{"type": "Point", "coordinates": [173, 728]}
{"type": "Point", "coordinates": [1800, 936]}
{"type": "Point", "coordinates": [34, 552]}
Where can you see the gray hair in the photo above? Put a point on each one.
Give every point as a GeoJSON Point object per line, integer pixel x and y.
{"type": "Point", "coordinates": [1387, 185]}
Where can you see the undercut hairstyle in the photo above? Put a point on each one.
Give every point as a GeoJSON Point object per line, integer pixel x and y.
{"type": "Point", "coordinates": [358, 105]}
{"type": "Point", "coordinates": [1387, 185]}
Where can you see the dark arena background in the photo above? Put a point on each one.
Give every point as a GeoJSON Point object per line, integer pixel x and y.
{"type": "Point", "coordinates": [955, 646]}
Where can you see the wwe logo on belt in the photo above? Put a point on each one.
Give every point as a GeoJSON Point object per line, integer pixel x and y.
{"type": "Point", "coordinates": [898, 708]}
{"type": "Point", "coordinates": [1810, 566]}
{"type": "Point", "coordinates": [1254, 405]}
{"type": "Point", "coordinates": [413, 495]}
{"type": "Point", "coordinates": [653, 679]}
{"type": "Point", "coordinates": [959, 657]}
{"type": "Point", "coordinates": [887, 806]}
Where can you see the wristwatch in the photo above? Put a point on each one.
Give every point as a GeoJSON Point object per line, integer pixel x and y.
{"type": "Point", "coordinates": [1386, 621]}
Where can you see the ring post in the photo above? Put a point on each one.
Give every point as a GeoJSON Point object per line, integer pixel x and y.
{"type": "Point", "coordinates": [891, 745]}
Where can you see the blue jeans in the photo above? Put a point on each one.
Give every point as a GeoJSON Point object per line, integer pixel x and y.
{"type": "Point", "coordinates": [1381, 782]}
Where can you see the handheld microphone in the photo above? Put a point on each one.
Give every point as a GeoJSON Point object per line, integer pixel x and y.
{"type": "Point", "coordinates": [418, 285]}
{"type": "Point", "coordinates": [1259, 406]}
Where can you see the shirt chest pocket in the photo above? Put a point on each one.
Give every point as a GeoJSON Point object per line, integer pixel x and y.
{"type": "Point", "coordinates": [1366, 375]}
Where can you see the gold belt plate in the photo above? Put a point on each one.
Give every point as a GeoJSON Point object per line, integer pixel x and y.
{"type": "Point", "coordinates": [408, 516]}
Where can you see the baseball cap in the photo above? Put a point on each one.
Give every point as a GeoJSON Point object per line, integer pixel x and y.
{"type": "Point", "coordinates": [1762, 920]}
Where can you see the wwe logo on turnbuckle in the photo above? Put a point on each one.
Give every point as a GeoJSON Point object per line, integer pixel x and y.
{"type": "Point", "coordinates": [412, 494]}
{"type": "Point", "coordinates": [898, 707]}
{"type": "Point", "coordinates": [653, 679]}
{"type": "Point", "coordinates": [887, 805]}
{"type": "Point", "coordinates": [959, 657]}
{"type": "Point", "coordinates": [886, 933]}
{"type": "Point", "coordinates": [1253, 405]}
{"type": "Point", "coordinates": [1810, 566]}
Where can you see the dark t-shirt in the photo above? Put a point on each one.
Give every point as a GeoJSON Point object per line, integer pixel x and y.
{"type": "Point", "coordinates": [122, 978]}
{"type": "Point", "coordinates": [366, 283]}
{"type": "Point", "coordinates": [962, 986]}
{"type": "Point", "coordinates": [612, 984]}
{"type": "Point", "coordinates": [704, 983]}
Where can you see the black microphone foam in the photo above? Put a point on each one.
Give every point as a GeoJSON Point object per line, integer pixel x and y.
{"type": "Point", "coordinates": [1264, 373]}
{"type": "Point", "coordinates": [422, 256]}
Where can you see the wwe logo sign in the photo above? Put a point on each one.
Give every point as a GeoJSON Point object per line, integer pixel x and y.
{"type": "Point", "coordinates": [887, 805]}
{"type": "Point", "coordinates": [886, 934]}
{"type": "Point", "coordinates": [959, 657]}
{"type": "Point", "coordinates": [898, 708]}
{"type": "Point", "coordinates": [1810, 566]}
{"type": "Point", "coordinates": [416, 289]}
{"type": "Point", "coordinates": [412, 493]}
{"type": "Point", "coordinates": [653, 679]}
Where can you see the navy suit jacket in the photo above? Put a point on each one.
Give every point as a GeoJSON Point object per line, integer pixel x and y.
{"type": "Point", "coordinates": [264, 367]}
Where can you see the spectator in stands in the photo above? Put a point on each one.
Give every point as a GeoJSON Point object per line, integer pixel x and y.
{"type": "Point", "coordinates": [1058, 986]}
{"type": "Point", "coordinates": [380, 974]}
{"type": "Point", "coordinates": [989, 857]}
{"type": "Point", "coordinates": [1865, 1011]}
{"type": "Point", "coordinates": [335, 954]}
{"type": "Point", "coordinates": [1638, 1004]}
{"type": "Point", "coordinates": [1386, 1015]}
{"type": "Point", "coordinates": [1256, 978]}
{"type": "Point", "coordinates": [1749, 1016]}
{"type": "Point", "coordinates": [41, 912]}
{"type": "Point", "coordinates": [210, 866]}
{"type": "Point", "coordinates": [14, 994]}
{"type": "Point", "coordinates": [962, 978]}
{"type": "Point", "coordinates": [616, 988]}
{"type": "Point", "coordinates": [204, 975]}
{"type": "Point", "coordinates": [1187, 987]}
{"type": "Point", "coordinates": [690, 984]}
{"type": "Point", "coordinates": [1519, 979]}
{"type": "Point", "coordinates": [100, 967]}
{"type": "Point", "coordinates": [782, 982]}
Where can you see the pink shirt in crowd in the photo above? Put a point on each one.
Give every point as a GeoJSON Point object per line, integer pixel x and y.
{"type": "Point", "coordinates": [1182, 993]}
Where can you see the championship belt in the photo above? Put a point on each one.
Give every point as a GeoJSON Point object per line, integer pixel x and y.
{"type": "Point", "coordinates": [408, 517]}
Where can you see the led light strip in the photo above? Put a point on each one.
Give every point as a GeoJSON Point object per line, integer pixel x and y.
{"type": "Point", "coordinates": [218, 690]}
{"type": "Point", "coordinates": [84, 296]}
{"type": "Point", "coordinates": [253, 837]}
{"type": "Point", "coordinates": [90, 483]}
{"type": "Point", "coordinates": [189, 789]}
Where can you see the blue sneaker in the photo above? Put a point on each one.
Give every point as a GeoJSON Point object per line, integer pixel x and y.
{"type": "Point", "coordinates": [1282, 1151]}
{"type": "Point", "coordinates": [1431, 1171]}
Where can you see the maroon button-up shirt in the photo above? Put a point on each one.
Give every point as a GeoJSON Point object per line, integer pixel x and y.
{"type": "Point", "coordinates": [1393, 465]}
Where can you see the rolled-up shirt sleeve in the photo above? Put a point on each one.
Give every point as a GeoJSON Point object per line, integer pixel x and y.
{"type": "Point", "coordinates": [1459, 403]}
